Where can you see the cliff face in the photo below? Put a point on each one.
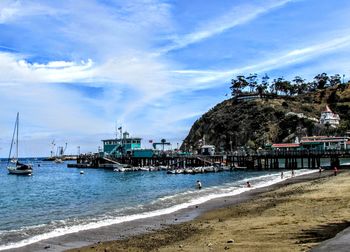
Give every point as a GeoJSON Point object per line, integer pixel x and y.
{"type": "Point", "coordinates": [258, 122]}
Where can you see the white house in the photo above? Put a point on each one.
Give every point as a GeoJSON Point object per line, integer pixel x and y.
{"type": "Point", "coordinates": [327, 116]}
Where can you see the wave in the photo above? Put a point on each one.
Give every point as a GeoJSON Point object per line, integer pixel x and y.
{"type": "Point", "coordinates": [173, 203]}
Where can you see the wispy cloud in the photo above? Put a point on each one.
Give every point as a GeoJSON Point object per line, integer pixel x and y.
{"type": "Point", "coordinates": [275, 62]}
{"type": "Point", "coordinates": [14, 10]}
{"type": "Point", "coordinates": [238, 15]}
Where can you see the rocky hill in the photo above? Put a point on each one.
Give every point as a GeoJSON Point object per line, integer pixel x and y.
{"type": "Point", "coordinates": [254, 123]}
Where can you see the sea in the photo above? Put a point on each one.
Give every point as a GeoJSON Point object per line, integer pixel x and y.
{"type": "Point", "coordinates": [57, 200]}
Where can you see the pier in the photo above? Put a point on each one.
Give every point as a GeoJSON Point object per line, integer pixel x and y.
{"type": "Point", "coordinates": [259, 160]}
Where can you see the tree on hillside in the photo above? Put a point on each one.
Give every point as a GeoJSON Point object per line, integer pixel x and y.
{"type": "Point", "coordinates": [281, 85]}
{"type": "Point", "coordinates": [321, 80]}
{"type": "Point", "coordinates": [252, 81]}
{"type": "Point", "coordinates": [299, 83]}
{"type": "Point", "coordinates": [262, 87]}
{"type": "Point", "coordinates": [265, 82]}
{"type": "Point", "coordinates": [238, 84]}
{"type": "Point", "coordinates": [298, 80]}
{"type": "Point", "coordinates": [335, 80]}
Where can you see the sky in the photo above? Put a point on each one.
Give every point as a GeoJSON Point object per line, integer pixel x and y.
{"type": "Point", "coordinates": [76, 70]}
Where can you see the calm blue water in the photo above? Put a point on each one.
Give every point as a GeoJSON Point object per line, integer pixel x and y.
{"type": "Point", "coordinates": [57, 199]}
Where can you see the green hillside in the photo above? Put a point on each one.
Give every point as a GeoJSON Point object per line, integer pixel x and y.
{"type": "Point", "coordinates": [232, 124]}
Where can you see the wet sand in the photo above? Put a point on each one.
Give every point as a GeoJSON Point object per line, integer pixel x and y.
{"type": "Point", "coordinates": [293, 215]}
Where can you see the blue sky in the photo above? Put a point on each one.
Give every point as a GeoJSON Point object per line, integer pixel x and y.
{"type": "Point", "coordinates": [76, 68]}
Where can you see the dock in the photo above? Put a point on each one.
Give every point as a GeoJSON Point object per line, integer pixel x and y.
{"type": "Point", "coordinates": [260, 160]}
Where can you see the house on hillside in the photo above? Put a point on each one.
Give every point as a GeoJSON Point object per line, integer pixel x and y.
{"type": "Point", "coordinates": [330, 118]}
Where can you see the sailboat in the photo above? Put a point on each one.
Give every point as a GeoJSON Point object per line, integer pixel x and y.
{"type": "Point", "coordinates": [13, 165]}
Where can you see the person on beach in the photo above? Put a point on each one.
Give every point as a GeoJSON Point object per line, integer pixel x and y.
{"type": "Point", "coordinates": [293, 174]}
{"type": "Point", "coordinates": [319, 171]}
{"type": "Point", "coordinates": [281, 175]}
{"type": "Point", "coordinates": [248, 184]}
{"type": "Point", "coordinates": [199, 184]}
{"type": "Point", "coordinates": [335, 171]}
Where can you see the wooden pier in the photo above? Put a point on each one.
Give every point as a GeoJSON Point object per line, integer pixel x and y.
{"type": "Point", "coordinates": [260, 160]}
{"type": "Point", "coordinates": [308, 159]}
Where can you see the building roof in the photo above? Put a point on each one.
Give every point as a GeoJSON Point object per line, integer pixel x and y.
{"type": "Point", "coordinates": [285, 145]}
{"type": "Point", "coordinates": [327, 109]}
{"type": "Point", "coordinates": [324, 141]}
{"type": "Point", "coordinates": [316, 138]}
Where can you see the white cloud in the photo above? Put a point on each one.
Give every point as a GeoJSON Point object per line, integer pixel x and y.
{"type": "Point", "coordinates": [15, 69]}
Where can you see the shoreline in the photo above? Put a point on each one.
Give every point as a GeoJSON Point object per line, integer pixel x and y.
{"type": "Point", "coordinates": [294, 215]}
{"type": "Point", "coordinates": [152, 224]}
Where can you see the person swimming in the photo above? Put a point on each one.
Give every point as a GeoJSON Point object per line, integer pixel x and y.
{"type": "Point", "coordinates": [248, 184]}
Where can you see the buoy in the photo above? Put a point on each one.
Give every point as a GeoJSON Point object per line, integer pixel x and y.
{"type": "Point", "coordinates": [81, 172]}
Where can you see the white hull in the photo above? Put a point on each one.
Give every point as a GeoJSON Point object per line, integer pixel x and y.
{"type": "Point", "coordinates": [58, 161]}
{"type": "Point", "coordinates": [13, 170]}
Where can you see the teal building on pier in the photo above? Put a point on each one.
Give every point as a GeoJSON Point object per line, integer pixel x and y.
{"type": "Point", "coordinates": [121, 146]}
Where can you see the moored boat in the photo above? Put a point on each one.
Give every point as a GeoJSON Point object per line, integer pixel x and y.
{"type": "Point", "coordinates": [13, 165]}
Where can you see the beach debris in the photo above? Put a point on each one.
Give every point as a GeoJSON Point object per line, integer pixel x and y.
{"type": "Point", "coordinates": [180, 246]}
{"type": "Point", "coordinates": [81, 172]}
{"type": "Point", "coordinates": [47, 247]}
{"type": "Point", "coordinates": [231, 241]}
{"type": "Point", "coordinates": [209, 244]}
{"type": "Point", "coordinates": [226, 248]}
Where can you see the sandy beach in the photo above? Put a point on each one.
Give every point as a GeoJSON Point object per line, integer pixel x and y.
{"type": "Point", "coordinates": [294, 215]}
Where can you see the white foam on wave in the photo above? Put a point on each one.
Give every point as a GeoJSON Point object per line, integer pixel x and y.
{"type": "Point", "coordinates": [258, 182]}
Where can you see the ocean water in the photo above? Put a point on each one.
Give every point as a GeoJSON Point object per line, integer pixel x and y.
{"type": "Point", "coordinates": [57, 200]}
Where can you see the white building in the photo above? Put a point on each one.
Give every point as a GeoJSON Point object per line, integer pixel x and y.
{"type": "Point", "coordinates": [207, 150]}
{"type": "Point", "coordinates": [327, 116]}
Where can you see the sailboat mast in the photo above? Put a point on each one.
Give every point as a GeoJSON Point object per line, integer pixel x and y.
{"type": "Point", "coordinates": [17, 135]}
{"type": "Point", "coordinates": [13, 139]}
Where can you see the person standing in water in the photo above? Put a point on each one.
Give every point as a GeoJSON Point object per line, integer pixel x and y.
{"type": "Point", "coordinates": [335, 170]}
{"type": "Point", "coordinates": [199, 184]}
{"type": "Point", "coordinates": [248, 184]}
